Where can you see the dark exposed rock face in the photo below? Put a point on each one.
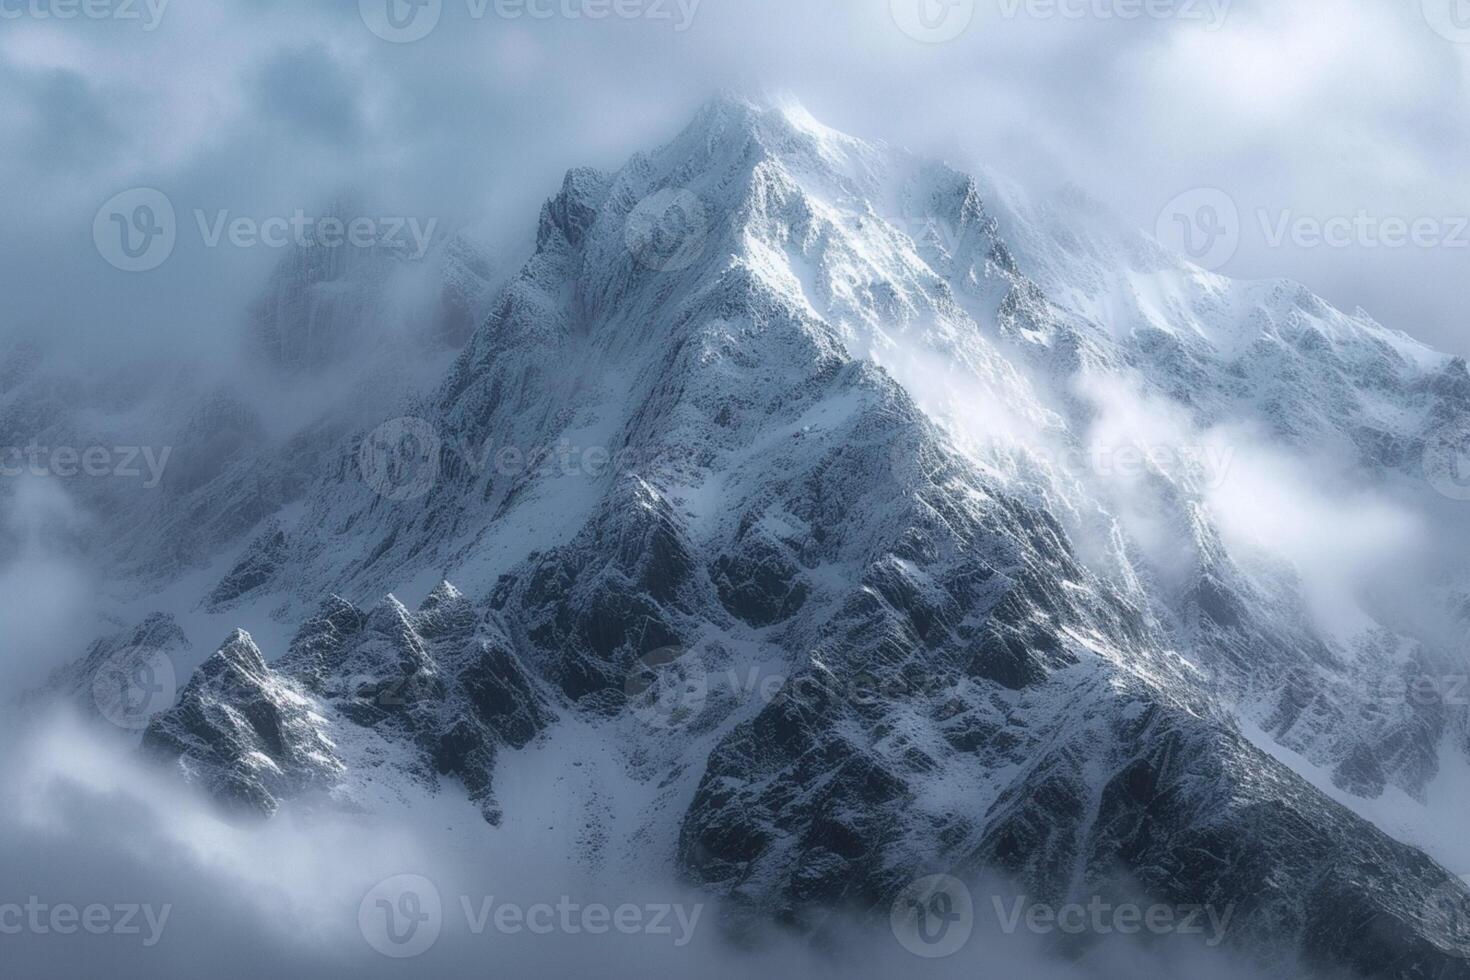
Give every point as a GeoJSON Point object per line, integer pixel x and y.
{"type": "Point", "coordinates": [243, 733]}
{"type": "Point", "coordinates": [760, 581]}
{"type": "Point", "coordinates": [1200, 818]}
{"type": "Point", "coordinates": [252, 572]}
{"type": "Point", "coordinates": [440, 683]}
{"type": "Point", "coordinates": [616, 593]}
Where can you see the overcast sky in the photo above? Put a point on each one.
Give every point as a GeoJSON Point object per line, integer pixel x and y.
{"type": "Point", "coordinates": [1307, 111]}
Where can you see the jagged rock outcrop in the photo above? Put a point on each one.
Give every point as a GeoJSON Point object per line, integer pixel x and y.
{"type": "Point", "coordinates": [438, 688]}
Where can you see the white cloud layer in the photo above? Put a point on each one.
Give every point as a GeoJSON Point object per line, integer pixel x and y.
{"type": "Point", "coordinates": [1321, 108]}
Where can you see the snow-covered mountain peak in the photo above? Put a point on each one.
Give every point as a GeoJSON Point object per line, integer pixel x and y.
{"type": "Point", "coordinates": [774, 402]}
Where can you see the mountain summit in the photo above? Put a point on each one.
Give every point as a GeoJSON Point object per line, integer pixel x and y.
{"type": "Point", "coordinates": [760, 480]}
